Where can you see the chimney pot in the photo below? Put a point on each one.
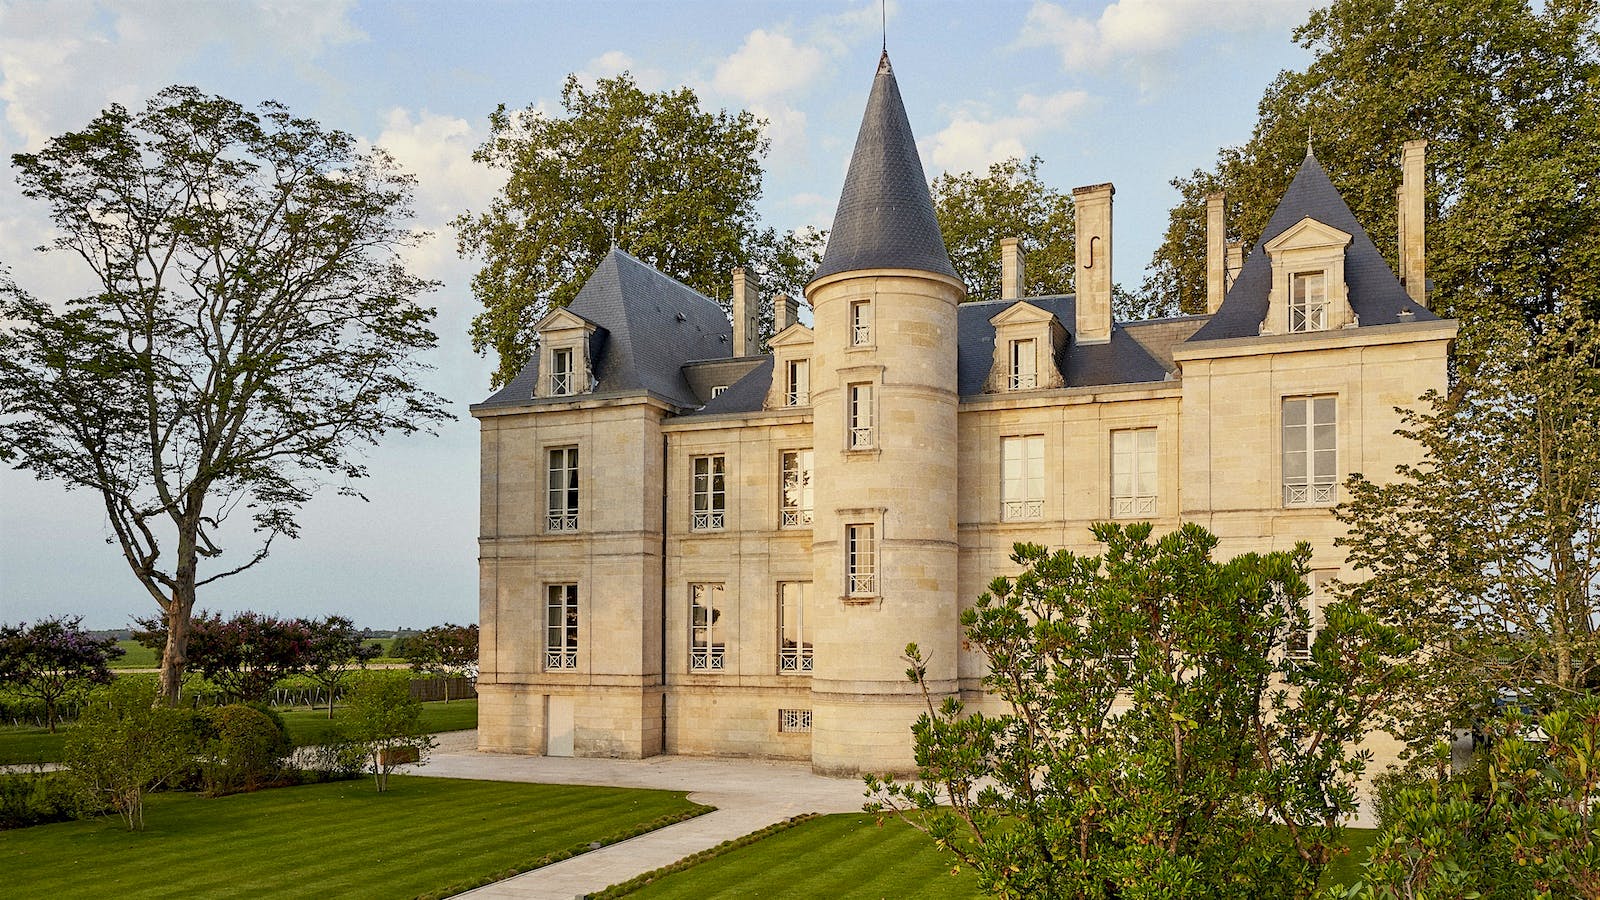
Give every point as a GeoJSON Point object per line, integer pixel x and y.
{"type": "Point", "coordinates": [785, 312]}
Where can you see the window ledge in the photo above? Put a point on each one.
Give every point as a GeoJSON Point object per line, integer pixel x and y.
{"type": "Point", "coordinates": [860, 599]}
{"type": "Point", "coordinates": [861, 452]}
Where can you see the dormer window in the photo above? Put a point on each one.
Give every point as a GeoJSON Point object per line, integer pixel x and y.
{"type": "Point", "coordinates": [1308, 302]}
{"type": "Point", "coordinates": [861, 323]}
{"type": "Point", "coordinates": [718, 390]}
{"type": "Point", "coordinates": [561, 372]}
{"type": "Point", "coordinates": [1024, 366]}
{"type": "Point", "coordinates": [797, 384]}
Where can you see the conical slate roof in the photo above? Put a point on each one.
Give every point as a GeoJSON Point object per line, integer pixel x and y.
{"type": "Point", "coordinates": [885, 218]}
{"type": "Point", "coordinates": [1376, 295]}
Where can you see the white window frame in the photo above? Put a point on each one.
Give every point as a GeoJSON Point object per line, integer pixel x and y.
{"type": "Point", "coordinates": [705, 608]}
{"type": "Point", "coordinates": [1024, 365]}
{"type": "Point", "coordinates": [562, 382]}
{"type": "Point", "coordinates": [794, 658]}
{"type": "Point", "coordinates": [709, 492]}
{"type": "Point", "coordinates": [861, 323]}
{"type": "Point", "coordinates": [862, 435]}
{"type": "Point", "coordinates": [1308, 311]}
{"type": "Point", "coordinates": [561, 627]}
{"type": "Point", "coordinates": [797, 387]}
{"type": "Point", "coordinates": [718, 390]}
{"type": "Point", "coordinates": [1310, 469]}
{"type": "Point", "coordinates": [1135, 469]}
{"type": "Point", "coordinates": [861, 559]}
{"type": "Point", "coordinates": [795, 497]}
{"type": "Point", "coordinates": [1022, 478]}
{"type": "Point", "coordinates": [561, 490]}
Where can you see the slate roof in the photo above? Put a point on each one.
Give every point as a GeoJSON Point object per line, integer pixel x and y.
{"type": "Point", "coordinates": [885, 217]}
{"type": "Point", "coordinates": [1376, 295]}
{"type": "Point", "coordinates": [649, 327]}
{"type": "Point", "coordinates": [745, 395]}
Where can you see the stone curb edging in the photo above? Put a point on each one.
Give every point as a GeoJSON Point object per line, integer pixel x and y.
{"type": "Point", "coordinates": [643, 879]}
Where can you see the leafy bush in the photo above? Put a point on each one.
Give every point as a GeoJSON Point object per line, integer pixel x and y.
{"type": "Point", "coordinates": [385, 721]}
{"type": "Point", "coordinates": [125, 746]}
{"type": "Point", "coordinates": [36, 797]}
{"type": "Point", "coordinates": [248, 749]}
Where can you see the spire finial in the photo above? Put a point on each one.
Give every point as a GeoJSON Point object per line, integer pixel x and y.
{"type": "Point", "coordinates": [883, 22]}
{"type": "Point", "coordinates": [1308, 140]}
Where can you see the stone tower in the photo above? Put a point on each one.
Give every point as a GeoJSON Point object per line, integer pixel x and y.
{"type": "Point", "coordinates": [884, 400]}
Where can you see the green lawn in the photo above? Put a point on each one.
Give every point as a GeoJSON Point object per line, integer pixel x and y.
{"type": "Point", "coordinates": [330, 840]}
{"type": "Point", "coordinates": [136, 656]}
{"type": "Point", "coordinates": [306, 726]}
{"type": "Point", "coordinates": [849, 856]}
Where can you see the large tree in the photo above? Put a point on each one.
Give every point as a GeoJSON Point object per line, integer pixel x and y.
{"type": "Point", "coordinates": [650, 172]}
{"type": "Point", "coordinates": [53, 657]}
{"type": "Point", "coordinates": [977, 211]}
{"type": "Point", "coordinates": [1159, 732]}
{"type": "Point", "coordinates": [252, 323]}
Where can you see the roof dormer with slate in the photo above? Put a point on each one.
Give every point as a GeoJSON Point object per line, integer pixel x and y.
{"type": "Point", "coordinates": [1313, 269]}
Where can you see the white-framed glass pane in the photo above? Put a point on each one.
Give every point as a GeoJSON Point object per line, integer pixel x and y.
{"type": "Point", "coordinates": [861, 559]}
{"type": "Point", "coordinates": [799, 385]}
{"type": "Point", "coordinates": [1133, 472]}
{"type": "Point", "coordinates": [562, 490]}
{"type": "Point", "coordinates": [561, 372]}
{"type": "Point", "coordinates": [709, 497]}
{"type": "Point", "coordinates": [861, 323]}
{"type": "Point", "coordinates": [1310, 450]}
{"type": "Point", "coordinates": [706, 650]}
{"type": "Point", "coordinates": [794, 637]}
{"type": "Point", "coordinates": [796, 501]}
{"type": "Point", "coordinates": [1024, 368]}
{"type": "Point", "coordinates": [1022, 477]}
{"type": "Point", "coordinates": [561, 626]}
{"type": "Point", "coordinates": [861, 434]}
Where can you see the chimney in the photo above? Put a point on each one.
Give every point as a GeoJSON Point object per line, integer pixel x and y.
{"type": "Point", "coordinates": [1093, 275]}
{"type": "Point", "coordinates": [1216, 252]}
{"type": "Point", "coordinates": [1012, 278]}
{"type": "Point", "coordinates": [1412, 208]}
{"type": "Point", "coordinates": [746, 314]}
{"type": "Point", "coordinates": [785, 312]}
{"type": "Point", "coordinates": [1235, 261]}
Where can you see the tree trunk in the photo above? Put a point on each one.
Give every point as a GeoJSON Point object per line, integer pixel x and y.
{"type": "Point", "coordinates": [175, 655]}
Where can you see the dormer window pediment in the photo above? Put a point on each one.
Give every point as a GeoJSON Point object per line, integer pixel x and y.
{"type": "Point", "coordinates": [791, 367]}
{"type": "Point", "coordinates": [565, 367]}
{"type": "Point", "coordinates": [1309, 291]}
{"type": "Point", "coordinates": [1026, 341]}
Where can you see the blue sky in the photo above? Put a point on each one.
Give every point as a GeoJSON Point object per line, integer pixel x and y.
{"type": "Point", "coordinates": [1133, 92]}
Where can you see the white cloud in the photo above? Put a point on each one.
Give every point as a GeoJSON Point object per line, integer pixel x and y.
{"type": "Point", "coordinates": [768, 64]}
{"type": "Point", "coordinates": [613, 63]}
{"type": "Point", "coordinates": [976, 137]}
{"type": "Point", "coordinates": [1135, 31]}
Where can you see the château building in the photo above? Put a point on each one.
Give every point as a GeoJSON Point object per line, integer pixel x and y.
{"type": "Point", "coordinates": [691, 545]}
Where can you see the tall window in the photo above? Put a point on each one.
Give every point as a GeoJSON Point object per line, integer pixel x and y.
{"type": "Point", "coordinates": [1308, 302]}
{"type": "Point", "coordinates": [705, 608]}
{"type": "Point", "coordinates": [710, 493]}
{"type": "Point", "coordinates": [561, 373]}
{"type": "Point", "coordinates": [861, 559]}
{"type": "Point", "coordinates": [1310, 450]}
{"type": "Point", "coordinates": [798, 387]}
{"type": "Point", "coordinates": [561, 627]}
{"type": "Point", "coordinates": [794, 640]}
{"type": "Point", "coordinates": [796, 499]}
{"type": "Point", "coordinates": [1133, 472]}
{"type": "Point", "coordinates": [563, 503]}
{"type": "Point", "coordinates": [861, 323]}
{"type": "Point", "coordinates": [1024, 370]}
{"type": "Point", "coordinates": [1298, 644]}
{"type": "Point", "coordinates": [1022, 478]}
{"type": "Point", "coordinates": [861, 435]}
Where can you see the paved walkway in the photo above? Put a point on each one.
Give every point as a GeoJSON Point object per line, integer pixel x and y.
{"type": "Point", "coordinates": [748, 795]}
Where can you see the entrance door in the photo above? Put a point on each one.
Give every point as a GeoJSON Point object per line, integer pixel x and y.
{"type": "Point", "coordinates": [558, 726]}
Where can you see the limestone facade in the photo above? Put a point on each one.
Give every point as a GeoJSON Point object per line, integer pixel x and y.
{"type": "Point", "coordinates": [704, 550]}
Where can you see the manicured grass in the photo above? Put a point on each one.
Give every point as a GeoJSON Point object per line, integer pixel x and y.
{"type": "Point", "coordinates": [839, 856]}
{"type": "Point", "coordinates": [20, 745]}
{"type": "Point", "coordinates": [136, 656]}
{"type": "Point", "coordinates": [848, 855]}
{"type": "Point", "coordinates": [330, 840]}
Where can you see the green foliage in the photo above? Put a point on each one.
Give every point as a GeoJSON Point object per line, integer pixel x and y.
{"type": "Point", "coordinates": [52, 659]}
{"type": "Point", "coordinates": [252, 322]}
{"type": "Point", "coordinates": [651, 173]}
{"type": "Point", "coordinates": [977, 211]}
{"type": "Point", "coordinates": [1505, 92]}
{"type": "Point", "coordinates": [1157, 741]}
{"type": "Point", "coordinates": [333, 650]}
{"type": "Point", "coordinates": [1529, 828]}
{"type": "Point", "coordinates": [123, 748]}
{"type": "Point", "coordinates": [248, 749]}
{"type": "Point", "coordinates": [449, 651]}
{"type": "Point", "coordinates": [35, 798]}
{"type": "Point", "coordinates": [386, 724]}
{"type": "Point", "coordinates": [244, 655]}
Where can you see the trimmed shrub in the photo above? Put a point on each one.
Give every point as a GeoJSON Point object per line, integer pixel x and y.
{"type": "Point", "coordinates": [248, 749]}
{"type": "Point", "coordinates": [36, 798]}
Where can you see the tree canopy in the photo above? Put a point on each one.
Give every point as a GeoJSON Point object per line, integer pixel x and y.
{"type": "Point", "coordinates": [252, 325]}
{"type": "Point", "coordinates": [51, 658]}
{"type": "Point", "coordinates": [650, 172]}
{"type": "Point", "coordinates": [1160, 735]}
{"type": "Point", "coordinates": [976, 212]}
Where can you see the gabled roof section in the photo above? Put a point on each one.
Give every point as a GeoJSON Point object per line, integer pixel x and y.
{"type": "Point", "coordinates": [885, 218]}
{"type": "Point", "coordinates": [1376, 295]}
{"type": "Point", "coordinates": [1021, 312]}
{"type": "Point", "coordinates": [747, 395]}
{"type": "Point", "coordinates": [561, 318]}
{"type": "Point", "coordinates": [653, 326]}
